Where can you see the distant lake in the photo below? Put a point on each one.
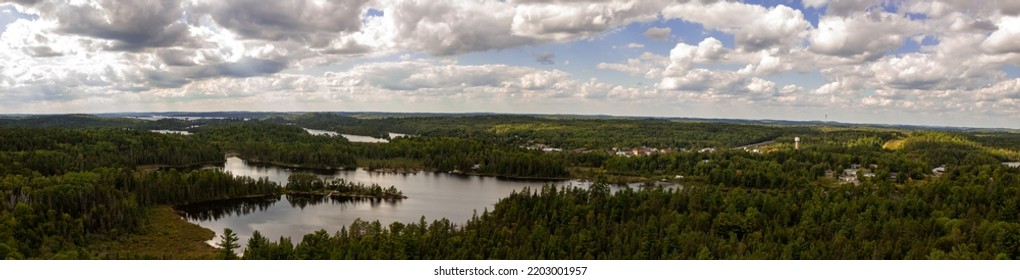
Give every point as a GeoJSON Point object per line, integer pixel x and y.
{"type": "Point", "coordinates": [433, 195]}
{"type": "Point", "coordinates": [352, 138]}
{"type": "Point", "coordinates": [164, 131]}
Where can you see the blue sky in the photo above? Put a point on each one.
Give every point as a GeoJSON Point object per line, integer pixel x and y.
{"type": "Point", "coordinates": [943, 62]}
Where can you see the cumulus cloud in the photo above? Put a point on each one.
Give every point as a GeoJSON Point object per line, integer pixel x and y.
{"type": "Point", "coordinates": [311, 22]}
{"type": "Point", "coordinates": [754, 27]}
{"type": "Point", "coordinates": [865, 36]}
{"type": "Point", "coordinates": [1006, 39]}
{"type": "Point", "coordinates": [914, 71]}
{"type": "Point", "coordinates": [815, 3]}
{"type": "Point", "coordinates": [658, 33]}
{"type": "Point", "coordinates": [129, 25]}
{"type": "Point", "coordinates": [647, 64]}
{"type": "Point", "coordinates": [447, 27]}
{"type": "Point", "coordinates": [847, 7]}
{"type": "Point", "coordinates": [683, 56]}
{"type": "Point", "coordinates": [566, 21]}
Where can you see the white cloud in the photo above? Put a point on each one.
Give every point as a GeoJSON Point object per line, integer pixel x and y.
{"type": "Point", "coordinates": [1006, 39]}
{"type": "Point", "coordinates": [754, 27]}
{"type": "Point", "coordinates": [815, 3]}
{"type": "Point", "coordinates": [446, 27]}
{"type": "Point", "coordinates": [847, 7]}
{"type": "Point", "coordinates": [683, 56]}
{"type": "Point", "coordinates": [861, 37]}
{"type": "Point", "coordinates": [647, 64]}
{"type": "Point", "coordinates": [569, 21]}
{"type": "Point", "coordinates": [658, 33]}
{"type": "Point", "coordinates": [913, 71]}
{"type": "Point", "coordinates": [310, 22]}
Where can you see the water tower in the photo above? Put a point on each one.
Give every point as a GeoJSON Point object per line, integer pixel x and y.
{"type": "Point", "coordinates": [796, 143]}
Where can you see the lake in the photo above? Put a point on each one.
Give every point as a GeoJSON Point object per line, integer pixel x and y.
{"type": "Point", "coordinates": [352, 138]}
{"type": "Point", "coordinates": [164, 131]}
{"type": "Point", "coordinates": [429, 194]}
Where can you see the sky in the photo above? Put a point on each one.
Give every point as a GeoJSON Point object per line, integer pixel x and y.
{"type": "Point", "coordinates": [941, 62]}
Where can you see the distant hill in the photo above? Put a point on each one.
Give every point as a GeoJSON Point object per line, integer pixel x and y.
{"type": "Point", "coordinates": [77, 120]}
{"type": "Point", "coordinates": [119, 119]}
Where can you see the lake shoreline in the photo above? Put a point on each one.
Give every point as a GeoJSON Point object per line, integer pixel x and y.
{"type": "Point", "coordinates": [395, 171]}
{"type": "Point", "coordinates": [276, 196]}
{"type": "Point", "coordinates": [157, 167]}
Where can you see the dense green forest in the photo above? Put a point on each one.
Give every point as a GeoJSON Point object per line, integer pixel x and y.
{"type": "Point", "coordinates": [921, 221]}
{"type": "Point", "coordinates": [83, 186]}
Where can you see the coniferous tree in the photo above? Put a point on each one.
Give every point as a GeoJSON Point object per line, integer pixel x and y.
{"type": "Point", "coordinates": [228, 242]}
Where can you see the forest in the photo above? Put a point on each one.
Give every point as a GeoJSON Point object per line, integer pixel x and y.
{"type": "Point", "coordinates": [90, 187]}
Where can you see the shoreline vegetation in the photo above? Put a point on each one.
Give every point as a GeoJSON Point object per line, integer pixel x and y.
{"type": "Point", "coordinates": [308, 184]}
{"type": "Point", "coordinates": [158, 167]}
{"type": "Point", "coordinates": [166, 236]}
{"type": "Point", "coordinates": [613, 179]}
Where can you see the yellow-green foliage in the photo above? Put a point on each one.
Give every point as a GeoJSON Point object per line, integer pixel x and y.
{"type": "Point", "coordinates": [868, 141]}
{"type": "Point", "coordinates": [511, 128]}
{"type": "Point", "coordinates": [942, 137]}
{"type": "Point", "coordinates": [894, 144]}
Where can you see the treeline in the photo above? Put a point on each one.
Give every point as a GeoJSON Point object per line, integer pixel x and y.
{"type": "Point", "coordinates": [312, 184]}
{"type": "Point", "coordinates": [335, 122]}
{"type": "Point", "coordinates": [52, 217]}
{"type": "Point", "coordinates": [279, 144]}
{"type": "Point", "coordinates": [176, 188]}
{"type": "Point", "coordinates": [776, 169]}
{"type": "Point", "coordinates": [468, 156]}
{"type": "Point", "coordinates": [54, 151]}
{"type": "Point", "coordinates": [929, 220]}
{"type": "Point", "coordinates": [570, 133]}
{"type": "Point", "coordinates": [289, 145]}
{"type": "Point", "coordinates": [57, 217]}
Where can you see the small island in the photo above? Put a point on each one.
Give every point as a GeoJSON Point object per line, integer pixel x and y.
{"type": "Point", "coordinates": [310, 184]}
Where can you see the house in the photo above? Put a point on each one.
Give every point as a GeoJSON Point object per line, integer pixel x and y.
{"type": "Point", "coordinates": [1012, 164]}
{"type": "Point", "coordinates": [829, 174]}
{"type": "Point", "coordinates": [850, 172]}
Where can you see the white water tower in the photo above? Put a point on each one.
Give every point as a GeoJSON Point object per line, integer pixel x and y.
{"type": "Point", "coordinates": [796, 143]}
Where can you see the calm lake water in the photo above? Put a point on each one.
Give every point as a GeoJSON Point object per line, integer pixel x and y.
{"type": "Point", "coordinates": [352, 138]}
{"type": "Point", "coordinates": [164, 131]}
{"type": "Point", "coordinates": [432, 195]}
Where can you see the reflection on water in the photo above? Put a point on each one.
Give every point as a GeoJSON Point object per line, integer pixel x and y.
{"type": "Point", "coordinates": [165, 131]}
{"type": "Point", "coordinates": [350, 137]}
{"type": "Point", "coordinates": [215, 210]}
{"type": "Point", "coordinates": [303, 200]}
{"type": "Point", "coordinates": [318, 132]}
{"type": "Point", "coordinates": [432, 195]}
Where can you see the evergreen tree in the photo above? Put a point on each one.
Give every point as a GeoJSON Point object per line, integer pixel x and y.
{"type": "Point", "coordinates": [228, 242]}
